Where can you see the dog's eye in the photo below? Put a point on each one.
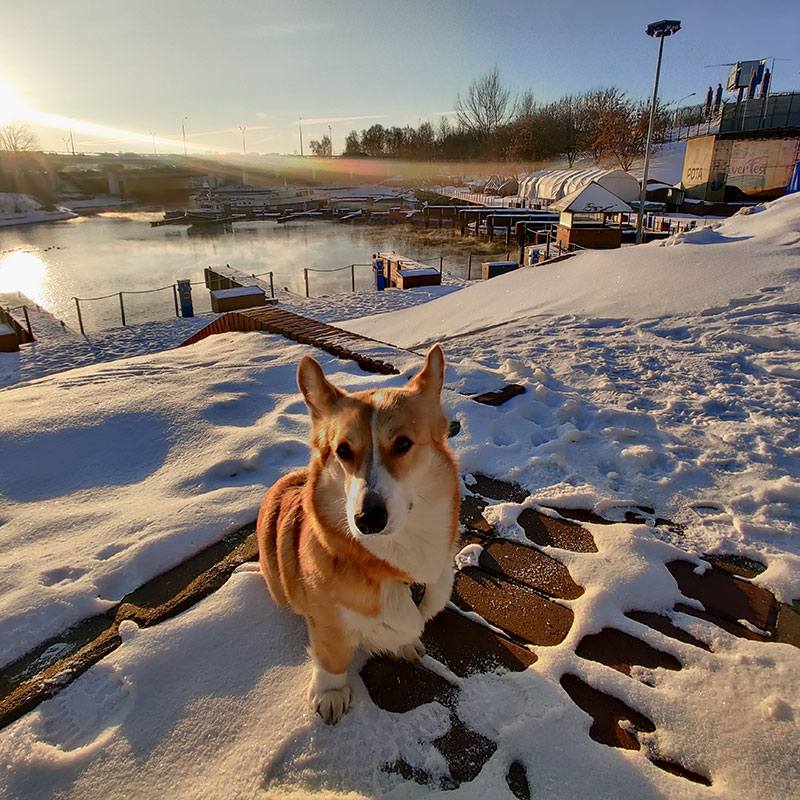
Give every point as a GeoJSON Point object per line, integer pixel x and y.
{"type": "Point", "coordinates": [344, 452]}
{"type": "Point", "coordinates": [402, 444]}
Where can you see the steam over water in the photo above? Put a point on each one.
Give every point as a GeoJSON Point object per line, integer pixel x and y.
{"type": "Point", "coordinates": [91, 256]}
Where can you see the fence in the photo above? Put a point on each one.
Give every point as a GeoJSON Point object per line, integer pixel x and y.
{"type": "Point", "coordinates": [351, 267]}
{"type": "Point", "coordinates": [79, 300]}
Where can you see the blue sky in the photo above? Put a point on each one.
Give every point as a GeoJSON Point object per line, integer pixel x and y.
{"type": "Point", "coordinates": [143, 66]}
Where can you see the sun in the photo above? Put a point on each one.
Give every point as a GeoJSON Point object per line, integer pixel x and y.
{"type": "Point", "coordinates": [10, 105]}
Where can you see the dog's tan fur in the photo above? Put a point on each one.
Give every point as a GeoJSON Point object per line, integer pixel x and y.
{"type": "Point", "coordinates": [352, 588]}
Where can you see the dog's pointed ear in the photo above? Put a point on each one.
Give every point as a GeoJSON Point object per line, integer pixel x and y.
{"type": "Point", "coordinates": [430, 378]}
{"type": "Point", "coordinates": [318, 391]}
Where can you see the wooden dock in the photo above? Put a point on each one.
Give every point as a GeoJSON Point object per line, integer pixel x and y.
{"type": "Point", "coordinates": [228, 277]}
{"type": "Point", "coordinates": [29, 321]}
{"type": "Point", "coordinates": [406, 273]}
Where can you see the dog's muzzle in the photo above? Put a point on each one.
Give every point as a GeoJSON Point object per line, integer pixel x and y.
{"type": "Point", "coordinates": [373, 516]}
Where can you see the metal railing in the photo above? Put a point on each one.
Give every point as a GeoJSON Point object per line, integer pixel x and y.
{"type": "Point", "coordinates": [79, 300]}
{"type": "Point", "coordinates": [351, 267]}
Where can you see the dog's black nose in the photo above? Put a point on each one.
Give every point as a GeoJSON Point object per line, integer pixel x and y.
{"type": "Point", "coordinates": [373, 516]}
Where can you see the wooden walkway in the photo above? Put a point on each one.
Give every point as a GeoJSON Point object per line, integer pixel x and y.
{"type": "Point", "coordinates": [298, 328]}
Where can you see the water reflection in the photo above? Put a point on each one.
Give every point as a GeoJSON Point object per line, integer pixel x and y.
{"type": "Point", "coordinates": [24, 272]}
{"type": "Point", "coordinates": [119, 251]}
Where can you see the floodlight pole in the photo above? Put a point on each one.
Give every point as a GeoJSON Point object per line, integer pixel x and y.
{"type": "Point", "coordinates": [660, 30]}
{"type": "Point", "coordinates": [183, 131]}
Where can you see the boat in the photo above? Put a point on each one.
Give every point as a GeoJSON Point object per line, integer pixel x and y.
{"type": "Point", "coordinates": [227, 200]}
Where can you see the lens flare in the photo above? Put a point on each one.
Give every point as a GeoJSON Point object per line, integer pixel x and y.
{"type": "Point", "coordinates": [23, 272]}
{"type": "Point", "coordinates": [10, 105]}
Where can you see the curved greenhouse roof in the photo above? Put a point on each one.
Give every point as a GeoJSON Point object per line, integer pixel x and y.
{"type": "Point", "coordinates": [543, 188]}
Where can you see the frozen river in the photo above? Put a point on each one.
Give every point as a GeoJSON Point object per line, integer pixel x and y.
{"type": "Point", "coordinates": [91, 256]}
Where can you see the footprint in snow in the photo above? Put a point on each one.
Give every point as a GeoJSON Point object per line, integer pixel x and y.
{"type": "Point", "coordinates": [61, 575]}
{"type": "Point", "coordinates": [98, 701]}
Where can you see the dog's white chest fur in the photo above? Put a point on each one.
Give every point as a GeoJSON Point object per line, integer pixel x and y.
{"type": "Point", "coordinates": [398, 623]}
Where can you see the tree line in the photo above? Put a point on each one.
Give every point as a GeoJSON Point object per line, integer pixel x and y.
{"type": "Point", "coordinates": [492, 125]}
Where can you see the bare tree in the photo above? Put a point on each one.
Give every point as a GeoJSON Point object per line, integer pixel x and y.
{"type": "Point", "coordinates": [373, 140]}
{"type": "Point", "coordinates": [322, 147]}
{"type": "Point", "coordinates": [18, 135]}
{"type": "Point", "coordinates": [618, 126]}
{"type": "Point", "coordinates": [352, 142]}
{"type": "Point", "coordinates": [486, 107]}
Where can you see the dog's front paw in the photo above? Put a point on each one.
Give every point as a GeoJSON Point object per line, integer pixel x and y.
{"type": "Point", "coordinates": [331, 704]}
{"type": "Point", "coordinates": [411, 652]}
{"type": "Point", "coordinates": [329, 694]}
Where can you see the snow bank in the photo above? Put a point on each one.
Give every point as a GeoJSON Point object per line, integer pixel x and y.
{"type": "Point", "coordinates": [25, 209]}
{"type": "Point", "coordinates": [741, 259]}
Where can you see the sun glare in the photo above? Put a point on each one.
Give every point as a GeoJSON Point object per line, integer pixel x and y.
{"type": "Point", "coordinates": [10, 105]}
{"type": "Point", "coordinates": [23, 272]}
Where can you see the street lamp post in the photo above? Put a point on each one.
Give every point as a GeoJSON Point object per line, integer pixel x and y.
{"type": "Point", "coordinates": [183, 131]}
{"type": "Point", "coordinates": [300, 123]}
{"type": "Point", "coordinates": [678, 108]}
{"type": "Point", "coordinates": [330, 140]}
{"type": "Point", "coordinates": [243, 128]}
{"type": "Point", "coordinates": [153, 136]}
{"type": "Point", "coordinates": [662, 29]}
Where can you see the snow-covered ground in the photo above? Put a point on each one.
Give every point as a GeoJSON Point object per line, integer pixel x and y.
{"type": "Point", "coordinates": [664, 375]}
{"type": "Point", "coordinates": [676, 366]}
{"type": "Point", "coordinates": [24, 209]}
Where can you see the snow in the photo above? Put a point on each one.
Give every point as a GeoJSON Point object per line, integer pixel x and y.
{"type": "Point", "coordinates": [24, 209]}
{"type": "Point", "coordinates": [658, 375]}
{"type": "Point", "coordinates": [666, 164]}
{"type": "Point", "coordinates": [241, 291]}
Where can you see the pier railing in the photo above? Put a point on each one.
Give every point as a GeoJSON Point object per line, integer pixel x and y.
{"type": "Point", "coordinates": [120, 295]}
{"type": "Point", "coordinates": [351, 267]}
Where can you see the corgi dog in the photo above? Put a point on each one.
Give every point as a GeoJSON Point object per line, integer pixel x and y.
{"type": "Point", "coordinates": [361, 541]}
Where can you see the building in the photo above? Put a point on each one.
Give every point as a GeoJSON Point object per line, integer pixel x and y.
{"type": "Point", "coordinates": [540, 189]}
{"type": "Point", "coordinates": [730, 167]}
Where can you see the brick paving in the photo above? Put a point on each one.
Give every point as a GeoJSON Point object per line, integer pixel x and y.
{"type": "Point", "coordinates": [333, 340]}
{"type": "Point", "coordinates": [516, 589]}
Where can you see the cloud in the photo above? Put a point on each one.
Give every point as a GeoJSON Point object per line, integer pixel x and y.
{"type": "Point", "coordinates": [262, 115]}
{"type": "Point", "coordinates": [227, 130]}
{"type": "Point", "coordinates": [316, 120]}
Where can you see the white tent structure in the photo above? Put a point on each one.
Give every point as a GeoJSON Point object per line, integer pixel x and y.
{"type": "Point", "coordinates": [544, 188]}
{"type": "Point", "coordinates": [591, 199]}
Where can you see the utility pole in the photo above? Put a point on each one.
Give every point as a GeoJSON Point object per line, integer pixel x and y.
{"type": "Point", "coordinates": [183, 131]}
{"type": "Point", "coordinates": [330, 140]}
{"type": "Point", "coordinates": [243, 128]}
{"type": "Point", "coordinates": [71, 143]}
{"type": "Point", "coordinates": [300, 123]}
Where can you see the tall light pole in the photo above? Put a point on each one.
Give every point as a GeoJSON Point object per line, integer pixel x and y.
{"type": "Point", "coordinates": [330, 140]}
{"type": "Point", "coordinates": [243, 128]}
{"type": "Point", "coordinates": [153, 135]}
{"type": "Point", "coordinates": [661, 29]}
{"type": "Point", "coordinates": [183, 131]}
{"type": "Point", "coordinates": [69, 142]}
{"type": "Point", "coordinates": [678, 107]}
{"type": "Point", "coordinates": [300, 123]}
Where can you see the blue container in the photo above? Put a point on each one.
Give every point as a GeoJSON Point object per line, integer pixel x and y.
{"type": "Point", "coordinates": [380, 278]}
{"type": "Point", "coordinates": [185, 296]}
